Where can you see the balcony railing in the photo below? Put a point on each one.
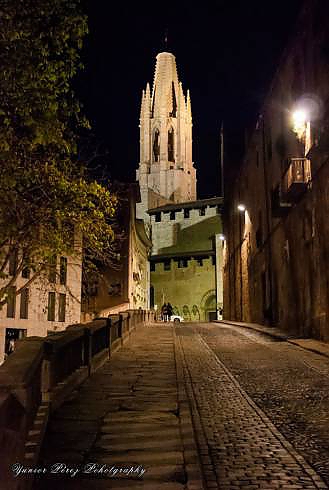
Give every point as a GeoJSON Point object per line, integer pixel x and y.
{"type": "Point", "coordinates": [296, 178]}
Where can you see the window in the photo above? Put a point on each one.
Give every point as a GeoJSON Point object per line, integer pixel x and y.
{"type": "Point", "coordinates": [152, 266]}
{"type": "Point", "coordinates": [26, 272]}
{"type": "Point", "coordinates": [186, 213]}
{"type": "Point", "coordinates": [52, 269]}
{"type": "Point", "coordinates": [13, 263]}
{"type": "Point", "coordinates": [171, 154]}
{"type": "Point", "coordinates": [172, 215]}
{"type": "Point", "coordinates": [63, 270]}
{"type": "Point", "coordinates": [202, 211]}
{"type": "Point", "coordinates": [166, 265]}
{"type": "Point", "coordinates": [199, 261]}
{"type": "Point", "coordinates": [51, 307]}
{"type": "Point", "coordinates": [182, 263]}
{"type": "Point", "coordinates": [11, 302]}
{"type": "Point", "coordinates": [24, 307]}
{"type": "Point", "coordinates": [68, 231]}
{"type": "Point", "coordinates": [157, 217]}
{"type": "Point", "coordinates": [61, 307]}
{"type": "Point", "coordinates": [174, 102]}
{"type": "Point", "coordinates": [156, 145]}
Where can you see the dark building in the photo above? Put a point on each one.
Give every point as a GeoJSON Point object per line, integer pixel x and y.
{"type": "Point", "coordinates": [276, 264]}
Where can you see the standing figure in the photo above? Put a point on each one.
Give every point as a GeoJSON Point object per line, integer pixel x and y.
{"type": "Point", "coordinates": [170, 311]}
{"type": "Point", "coordinates": [164, 312]}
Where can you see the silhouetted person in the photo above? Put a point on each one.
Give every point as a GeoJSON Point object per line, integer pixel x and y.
{"type": "Point", "coordinates": [170, 311]}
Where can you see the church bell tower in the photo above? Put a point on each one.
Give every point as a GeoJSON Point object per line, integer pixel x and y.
{"type": "Point", "coordinates": [166, 172]}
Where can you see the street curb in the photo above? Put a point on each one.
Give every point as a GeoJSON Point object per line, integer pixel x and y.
{"type": "Point", "coordinates": [275, 335]}
{"type": "Point", "coordinates": [311, 349]}
{"type": "Point", "coordinates": [259, 329]}
{"type": "Point", "coordinates": [195, 480]}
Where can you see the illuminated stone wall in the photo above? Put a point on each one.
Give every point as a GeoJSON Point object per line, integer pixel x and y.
{"type": "Point", "coordinates": [186, 257]}
{"type": "Point", "coordinates": [190, 290]}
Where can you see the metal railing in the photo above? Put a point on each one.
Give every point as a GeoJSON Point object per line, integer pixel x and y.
{"type": "Point", "coordinates": [298, 172]}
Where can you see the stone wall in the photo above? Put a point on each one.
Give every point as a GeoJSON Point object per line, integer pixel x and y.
{"type": "Point", "coordinates": [186, 258]}
{"type": "Point", "coordinates": [191, 290]}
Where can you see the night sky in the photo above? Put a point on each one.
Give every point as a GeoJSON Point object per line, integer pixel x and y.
{"type": "Point", "coordinates": [226, 54]}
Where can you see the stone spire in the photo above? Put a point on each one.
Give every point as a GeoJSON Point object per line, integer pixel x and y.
{"type": "Point", "coordinates": [164, 84]}
{"type": "Point", "coordinates": [166, 165]}
{"type": "Point", "coordinates": [188, 107]}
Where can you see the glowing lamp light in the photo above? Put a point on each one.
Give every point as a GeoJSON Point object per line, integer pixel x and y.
{"type": "Point", "coordinates": [222, 237]}
{"type": "Point", "coordinates": [241, 208]}
{"type": "Point", "coordinates": [300, 117]}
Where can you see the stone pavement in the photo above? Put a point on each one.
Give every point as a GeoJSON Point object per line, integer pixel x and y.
{"type": "Point", "coordinates": [131, 414]}
{"type": "Point", "coordinates": [239, 446]}
{"type": "Point", "coordinates": [166, 405]}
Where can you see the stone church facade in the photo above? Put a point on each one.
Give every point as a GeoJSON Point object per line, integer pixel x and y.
{"type": "Point", "coordinates": [186, 257]}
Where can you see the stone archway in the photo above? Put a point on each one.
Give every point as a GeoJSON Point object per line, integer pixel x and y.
{"type": "Point", "coordinates": [208, 305]}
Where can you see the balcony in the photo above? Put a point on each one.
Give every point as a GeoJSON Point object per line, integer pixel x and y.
{"type": "Point", "coordinates": [296, 178]}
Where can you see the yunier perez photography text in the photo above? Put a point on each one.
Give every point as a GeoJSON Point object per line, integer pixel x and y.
{"type": "Point", "coordinates": [92, 469]}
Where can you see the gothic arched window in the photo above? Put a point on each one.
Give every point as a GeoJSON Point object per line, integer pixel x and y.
{"type": "Point", "coordinates": [174, 103]}
{"type": "Point", "coordinates": [156, 145]}
{"type": "Point", "coordinates": [171, 147]}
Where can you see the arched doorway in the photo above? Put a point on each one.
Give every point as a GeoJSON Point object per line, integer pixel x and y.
{"type": "Point", "coordinates": [208, 305]}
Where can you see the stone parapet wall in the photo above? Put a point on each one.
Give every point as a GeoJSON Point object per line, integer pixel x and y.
{"type": "Point", "coordinates": [39, 375]}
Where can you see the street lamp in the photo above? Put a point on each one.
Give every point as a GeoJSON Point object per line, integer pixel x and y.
{"type": "Point", "coordinates": [242, 214]}
{"type": "Point", "coordinates": [300, 121]}
{"type": "Point", "coordinates": [299, 117]}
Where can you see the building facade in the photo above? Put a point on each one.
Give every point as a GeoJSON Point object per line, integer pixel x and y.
{"type": "Point", "coordinates": [186, 261]}
{"type": "Point", "coordinates": [126, 285]}
{"type": "Point", "coordinates": [277, 251]}
{"type": "Point", "coordinates": [186, 258]}
{"type": "Point", "coordinates": [47, 304]}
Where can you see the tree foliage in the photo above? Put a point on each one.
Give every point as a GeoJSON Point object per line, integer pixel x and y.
{"type": "Point", "coordinates": [45, 191]}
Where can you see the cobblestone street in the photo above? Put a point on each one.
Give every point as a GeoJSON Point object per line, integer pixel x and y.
{"type": "Point", "coordinates": [290, 384]}
{"type": "Point", "coordinates": [202, 406]}
{"type": "Point", "coordinates": [245, 450]}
